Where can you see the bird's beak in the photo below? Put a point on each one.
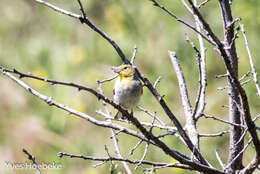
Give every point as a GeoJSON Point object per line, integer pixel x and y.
{"type": "Point", "coordinates": [116, 69]}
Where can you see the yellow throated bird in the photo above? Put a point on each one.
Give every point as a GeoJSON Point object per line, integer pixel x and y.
{"type": "Point", "coordinates": [128, 88]}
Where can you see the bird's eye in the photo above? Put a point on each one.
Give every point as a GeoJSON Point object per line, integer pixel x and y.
{"type": "Point", "coordinates": [125, 67]}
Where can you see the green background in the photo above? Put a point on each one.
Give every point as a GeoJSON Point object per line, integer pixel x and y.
{"type": "Point", "coordinates": [36, 39]}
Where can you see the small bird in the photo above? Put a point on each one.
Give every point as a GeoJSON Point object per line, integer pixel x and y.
{"type": "Point", "coordinates": [128, 88]}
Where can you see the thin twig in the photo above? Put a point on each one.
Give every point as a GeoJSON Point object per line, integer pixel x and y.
{"type": "Point", "coordinates": [226, 87]}
{"type": "Point", "coordinates": [157, 81]}
{"type": "Point", "coordinates": [200, 102]}
{"type": "Point", "coordinates": [161, 167]}
{"type": "Point", "coordinates": [165, 134]}
{"type": "Point", "coordinates": [200, 76]}
{"type": "Point", "coordinates": [135, 147]}
{"type": "Point", "coordinates": [203, 3]}
{"type": "Point", "coordinates": [107, 80]}
{"type": "Point", "coordinates": [181, 21]}
{"type": "Point", "coordinates": [106, 149]}
{"type": "Point", "coordinates": [241, 137]}
{"type": "Point", "coordinates": [144, 155]}
{"type": "Point", "coordinates": [221, 75]}
{"type": "Point", "coordinates": [256, 117]}
{"type": "Point", "coordinates": [106, 159]}
{"type": "Point", "coordinates": [159, 126]}
{"type": "Point", "coordinates": [32, 158]}
{"type": "Point", "coordinates": [219, 159]}
{"type": "Point", "coordinates": [147, 144]}
{"type": "Point", "coordinates": [99, 164]}
{"type": "Point", "coordinates": [234, 38]}
{"type": "Point", "coordinates": [82, 9]}
{"type": "Point", "coordinates": [241, 78]}
{"type": "Point", "coordinates": [221, 120]}
{"type": "Point", "coordinates": [134, 55]}
{"type": "Point", "coordinates": [245, 75]}
{"type": "Point", "coordinates": [214, 135]}
{"type": "Point", "coordinates": [245, 147]}
{"type": "Point", "coordinates": [255, 75]}
{"type": "Point", "coordinates": [150, 114]}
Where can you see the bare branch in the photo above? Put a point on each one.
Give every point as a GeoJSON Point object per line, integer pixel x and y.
{"type": "Point", "coordinates": [154, 140]}
{"type": "Point", "coordinates": [57, 9]}
{"type": "Point", "coordinates": [203, 3]}
{"type": "Point", "coordinates": [157, 81]}
{"type": "Point", "coordinates": [221, 75]}
{"type": "Point", "coordinates": [214, 135]}
{"type": "Point", "coordinates": [190, 121]}
{"type": "Point", "coordinates": [163, 127]}
{"type": "Point", "coordinates": [245, 75]}
{"type": "Point", "coordinates": [165, 134]}
{"type": "Point", "coordinates": [219, 159]}
{"type": "Point", "coordinates": [146, 82]}
{"type": "Point", "coordinates": [226, 87]}
{"type": "Point", "coordinates": [134, 55]}
{"type": "Point", "coordinates": [151, 114]}
{"type": "Point", "coordinates": [221, 120]}
{"type": "Point", "coordinates": [182, 21]}
{"type": "Point", "coordinates": [182, 85]}
{"type": "Point", "coordinates": [86, 21]}
{"type": "Point", "coordinates": [256, 117]}
{"type": "Point", "coordinates": [234, 37]}
{"type": "Point", "coordinates": [161, 167]}
{"type": "Point", "coordinates": [51, 102]}
{"type": "Point", "coordinates": [232, 23]}
{"type": "Point", "coordinates": [255, 75]}
{"type": "Point", "coordinates": [144, 155]}
{"type": "Point", "coordinates": [135, 147]}
{"type": "Point", "coordinates": [107, 80]}
{"type": "Point", "coordinates": [82, 9]}
{"type": "Point", "coordinates": [147, 144]}
{"type": "Point", "coordinates": [106, 159]}
{"type": "Point", "coordinates": [242, 78]}
{"type": "Point", "coordinates": [250, 168]}
{"type": "Point", "coordinates": [232, 75]}
{"type": "Point", "coordinates": [245, 147]}
{"type": "Point", "coordinates": [32, 158]}
{"type": "Point", "coordinates": [200, 99]}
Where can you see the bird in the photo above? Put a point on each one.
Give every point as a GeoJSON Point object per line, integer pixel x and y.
{"type": "Point", "coordinates": [127, 89]}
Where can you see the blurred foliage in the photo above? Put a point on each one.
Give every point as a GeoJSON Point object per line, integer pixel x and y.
{"type": "Point", "coordinates": [36, 39]}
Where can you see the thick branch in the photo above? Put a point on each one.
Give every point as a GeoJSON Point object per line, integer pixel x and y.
{"type": "Point", "coordinates": [190, 121]}
{"type": "Point", "coordinates": [234, 100]}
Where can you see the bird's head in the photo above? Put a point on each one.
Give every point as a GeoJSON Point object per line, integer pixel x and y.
{"type": "Point", "coordinates": [124, 71]}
